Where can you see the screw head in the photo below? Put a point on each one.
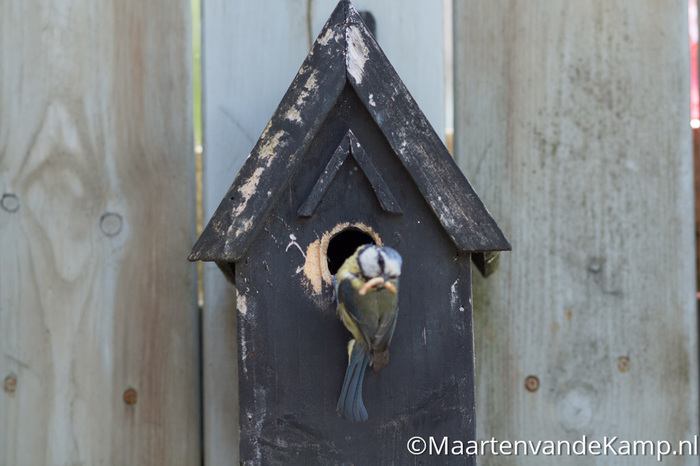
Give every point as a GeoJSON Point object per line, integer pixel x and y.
{"type": "Point", "coordinates": [130, 396]}
{"type": "Point", "coordinates": [532, 383]}
{"type": "Point", "coordinates": [623, 364]}
{"type": "Point", "coordinates": [10, 384]}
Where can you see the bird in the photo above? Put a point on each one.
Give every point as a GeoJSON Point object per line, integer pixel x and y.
{"type": "Point", "coordinates": [367, 287]}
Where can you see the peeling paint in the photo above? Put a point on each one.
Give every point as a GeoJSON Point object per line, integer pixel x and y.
{"type": "Point", "coordinates": [371, 100]}
{"type": "Point", "coordinates": [311, 85]}
{"type": "Point", "coordinates": [266, 130]}
{"type": "Point", "coordinates": [258, 419]}
{"type": "Point", "coordinates": [237, 228]}
{"type": "Point", "coordinates": [357, 53]}
{"type": "Point", "coordinates": [246, 191]}
{"type": "Point", "coordinates": [293, 114]}
{"type": "Point", "coordinates": [248, 188]}
{"type": "Point", "coordinates": [268, 151]}
{"type": "Point", "coordinates": [242, 308]}
{"type": "Point", "coordinates": [293, 242]}
{"type": "Point", "coordinates": [327, 37]}
{"type": "Point", "coordinates": [241, 305]}
{"type": "Point", "coordinates": [454, 295]}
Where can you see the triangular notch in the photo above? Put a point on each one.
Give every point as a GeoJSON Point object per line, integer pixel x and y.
{"type": "Point", "coordinates": [350, 146]}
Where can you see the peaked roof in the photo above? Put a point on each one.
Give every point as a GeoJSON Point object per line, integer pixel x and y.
{"type": "Point", "coordinates": [346, 52]}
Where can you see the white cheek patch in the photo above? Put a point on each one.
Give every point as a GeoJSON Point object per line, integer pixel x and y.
{"type": "Point", "coordinates": [392, 268]}
{"type": "Point", "coordinates": [392, 262]}
{"type": "Point", "coordinates": [369, 262]}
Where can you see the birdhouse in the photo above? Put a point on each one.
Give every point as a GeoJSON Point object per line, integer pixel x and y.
{"type": "Point", "coordinates": [348, 158]}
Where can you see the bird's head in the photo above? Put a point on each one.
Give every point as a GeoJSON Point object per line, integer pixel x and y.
{"type": "Point", "coordinates": [380, 267]}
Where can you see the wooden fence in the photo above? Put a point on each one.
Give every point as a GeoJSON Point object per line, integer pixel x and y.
{"type": "Point", "coordinates": [571, 121]}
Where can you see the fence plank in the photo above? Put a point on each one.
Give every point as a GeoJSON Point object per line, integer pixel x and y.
{"type": "Point", "coordinates": [251, 52]}
{"type": "Point", "coordinates": [96, 296]}
{"type": "Point", "coordinates": [572, 123]}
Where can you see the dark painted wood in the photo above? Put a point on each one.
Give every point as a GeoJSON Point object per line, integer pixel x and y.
{"type": "Point", "coordinates": [350, 146]}
{"type": "Point", "coordinates": [299, 185]}
{"type": "Point", "coordinates": [277, 155]}
{"type": "Point", "coordinates": [386, 199]}
{"type": "Point", "coordinates": [419, 148]}
{"type": "Point", "coordinates": [324, 181]}
{"type": "Point", "coordinates": [293, 346]}
{"type": "Point", "coordinates": [486, 262]}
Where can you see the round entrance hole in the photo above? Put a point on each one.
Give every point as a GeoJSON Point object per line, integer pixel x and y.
{"type": "Point", "coordinates": [343, 245]}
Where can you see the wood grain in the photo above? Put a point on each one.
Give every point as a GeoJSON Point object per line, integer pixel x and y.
{"type": "Point", "coordinates": [96, 296]}
{"type": "Point", "coordinates": [251, 52]}
{"type": "Point", "coordinates": [572, 125]}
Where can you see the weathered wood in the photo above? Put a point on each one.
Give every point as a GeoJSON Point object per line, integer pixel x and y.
{"type": "Point", "coordinates": [250, 53]}
{"type": "Point", "coordinates": [290, 340]}
{"type": "Point", "coordinates": [324, 181]}
{"type": "Point", "coordinates": [241, 212]}
{"type": "Point", "coordinates": [415, 142]}
{"type": "Point", "coordinates": [293, 345]}
{"type": "Point", "coordinates": [98, 176]}
{"type": "Point", "coordinates": [405, 30]}
{"type": "Point", "coordinates": [349, 146]}
{"type": "Point", "coordinates": [386, 199]}
{"type": "Point", "coordinates": [243, 84]}
{"type": "Point", "coordinates": [236, 106]}
{"type": "Point", "coordinates": [346, 47]}
{"type": "Point", "coordinates": [572, 125]}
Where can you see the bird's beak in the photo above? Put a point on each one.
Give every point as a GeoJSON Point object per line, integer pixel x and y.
{"type": "Point", "coordinates": [369, 284]}
{"type": "Point", "coordinates": [391, 287]}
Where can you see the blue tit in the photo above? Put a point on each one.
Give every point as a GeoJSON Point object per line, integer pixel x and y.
{"type": "Point", "coordinates": [367, 294]}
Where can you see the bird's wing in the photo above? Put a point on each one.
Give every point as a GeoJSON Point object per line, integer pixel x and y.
{"type": "Point", "coordinates": [385, 330]}
{"type": "Point", "coordinates": [347, 296]}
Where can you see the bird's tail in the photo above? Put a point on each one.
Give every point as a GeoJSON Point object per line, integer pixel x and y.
{"type": "Point", "coordinates": [350, 404]}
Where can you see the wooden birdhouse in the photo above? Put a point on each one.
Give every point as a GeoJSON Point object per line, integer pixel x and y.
{"type": "Point", "coordinates": [348, 158]}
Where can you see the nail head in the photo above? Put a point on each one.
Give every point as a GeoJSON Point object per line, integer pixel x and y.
{"type": "Point", "coordinates": [623, 364]}
{"type": "Point", "coordinates": [10, 384]}
{"type": "Point", "coordinates": [532, 383]}
{"type": "Point", "coordinates": [130, 396]}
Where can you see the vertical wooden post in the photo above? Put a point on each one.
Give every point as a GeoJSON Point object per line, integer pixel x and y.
{"type": "Point", "coordinates": [98, 316]}
{"type": "Point", "coordinates": [572, 124]}
{"type": "Point", "coordinates": [251, 52]}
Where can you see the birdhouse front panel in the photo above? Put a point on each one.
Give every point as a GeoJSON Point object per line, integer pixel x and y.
{"type": "Point", "coordinates": [292, 344]}
{"type": "Point", "coordinates": [348, 159]}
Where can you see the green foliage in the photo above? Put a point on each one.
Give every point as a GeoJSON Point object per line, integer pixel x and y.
{"type": "Point", "coordinates": [197, 70]}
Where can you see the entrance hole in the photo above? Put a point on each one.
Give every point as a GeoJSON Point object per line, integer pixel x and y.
{"type": "Point", "coordinates": [343, 245]}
